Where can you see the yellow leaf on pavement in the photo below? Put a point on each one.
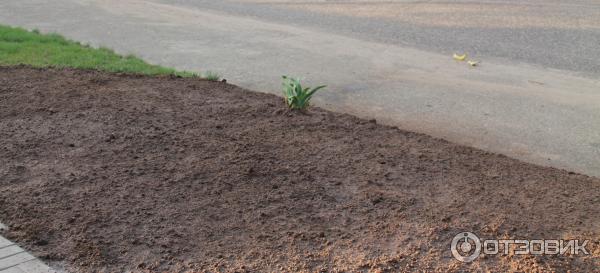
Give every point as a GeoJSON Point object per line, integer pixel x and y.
{"type": "Point", "coordinates": [460, 57]}
{"type": "Point", "coordinates": [473, 63]}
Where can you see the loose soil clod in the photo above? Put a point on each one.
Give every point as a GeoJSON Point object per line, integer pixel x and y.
{"type": "Point", "coordinates": [118, 173]}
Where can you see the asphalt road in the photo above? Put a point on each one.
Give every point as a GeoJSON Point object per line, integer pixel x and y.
{"type": "Point", "coordinates": [536, 95]}
{"type": "Point", "coordinates": [557, 34]}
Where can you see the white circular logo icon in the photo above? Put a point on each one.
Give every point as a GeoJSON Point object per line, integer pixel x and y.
{"type": "Point", "coordinates": [466, 247]}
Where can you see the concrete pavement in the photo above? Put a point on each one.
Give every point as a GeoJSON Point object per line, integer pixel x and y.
{"type": "Point", "coordinates": [542, 115]}
{"type": "Point", "coordinates": [14, 259]}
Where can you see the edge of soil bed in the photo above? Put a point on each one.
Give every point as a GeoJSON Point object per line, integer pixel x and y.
{"type": "Point", "coordinates": [284, 107]}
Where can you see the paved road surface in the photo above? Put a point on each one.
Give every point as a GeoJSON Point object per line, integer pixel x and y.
{"type": "Point", "coordinates": [536, 95]}
{"type": "Point", "coordinates": [558, 34]}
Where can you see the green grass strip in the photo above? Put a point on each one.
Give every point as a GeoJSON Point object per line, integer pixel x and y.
{"type": "Point", "coordinates": [19, 46]}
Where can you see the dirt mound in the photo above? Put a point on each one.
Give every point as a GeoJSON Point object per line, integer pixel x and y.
{"type": "Point", "coordinates": [119, 173]}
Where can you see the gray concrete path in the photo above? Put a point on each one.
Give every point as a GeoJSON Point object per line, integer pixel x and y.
{"type": "Point", "coordinates": [522, 109]}
{"type": "Point", "coordinates": [14, 259]}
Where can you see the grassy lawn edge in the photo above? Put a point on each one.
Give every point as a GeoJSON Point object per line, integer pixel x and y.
{"type": "Point", "coordinates": [20, 46]}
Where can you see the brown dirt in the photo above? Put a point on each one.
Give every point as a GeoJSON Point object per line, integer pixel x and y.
{"type": "Point", "coordinates": [111, 173]}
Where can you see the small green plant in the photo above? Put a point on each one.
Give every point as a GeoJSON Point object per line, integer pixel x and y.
{"type": "Point", "coordinates": [211, 76]}
{"type": "Point", "coordinates": [297, 97]}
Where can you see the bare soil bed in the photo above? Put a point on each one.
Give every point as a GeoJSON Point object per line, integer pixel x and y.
{"type": "Point", "coordinates": [116, 173]}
